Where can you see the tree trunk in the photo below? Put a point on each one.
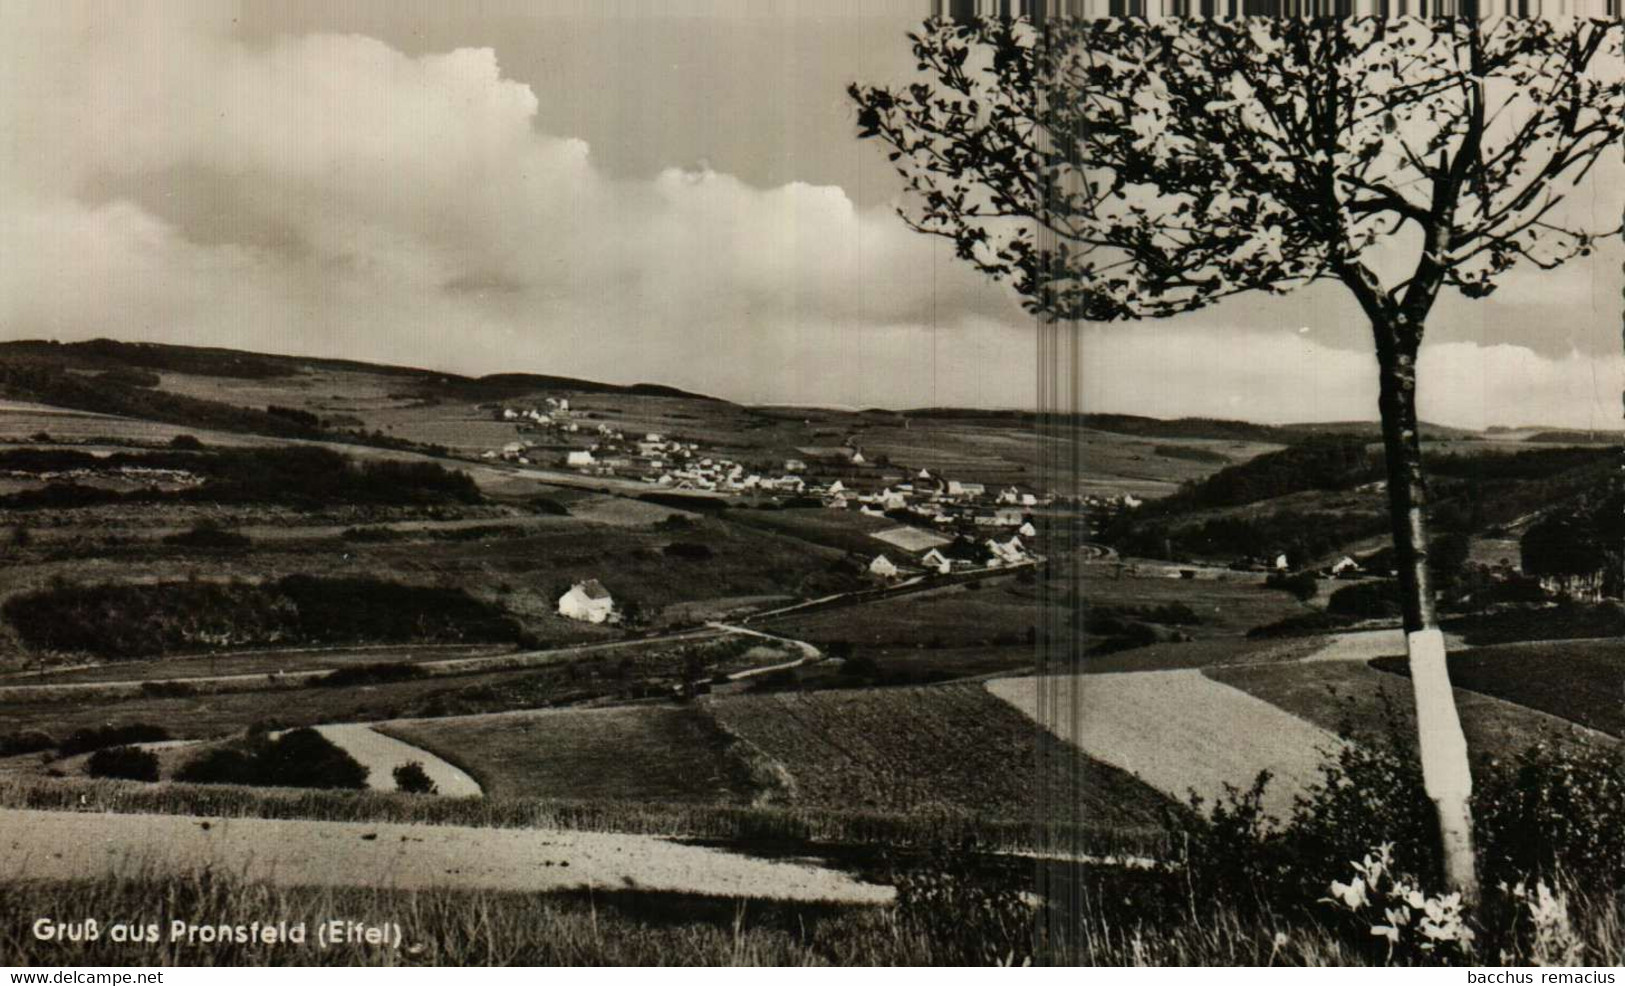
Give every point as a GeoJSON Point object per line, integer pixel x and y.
{"type": "Point", "coordinates": [1445, 771]}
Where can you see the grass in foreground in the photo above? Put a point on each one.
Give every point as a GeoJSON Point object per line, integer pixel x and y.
{"type": "Point", "coordinates": [731, 824]}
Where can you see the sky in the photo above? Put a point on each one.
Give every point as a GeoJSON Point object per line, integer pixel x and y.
{"type": "Point", "coordinates": [667, 192]}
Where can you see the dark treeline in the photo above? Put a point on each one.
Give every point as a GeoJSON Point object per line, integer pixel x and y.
{"type": "Point", "coordinates": [49, 384]}
{"type": "Point", "coordinates": [121, 621]}
{"type": "Point", "coordinates": [294, 475]}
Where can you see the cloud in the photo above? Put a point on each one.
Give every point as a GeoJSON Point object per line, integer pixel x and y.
{"type": "Point", "coordinates": [1278, 378]}
{"type": "Point", "coordinates": [329, 194]}
{"type": "Point", "coordinates": [164, 179]}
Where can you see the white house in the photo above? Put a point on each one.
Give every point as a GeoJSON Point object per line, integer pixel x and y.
{"type": "Point", "coordinates": [1281, 563]}
{"type": "Point", "coordinates": [935, 559]}
{"type": "Point", "coordinates": [578, 458]}
{"type": "Point", "coordinates": [837, 487]}
{"type": "Point", "coordinates": [883, 567]}
{"type": "Point", "coordinates": [1007, 516]}
{"type": "Point", "coordinates": [1345, 564]}
{"type": "Point", "coordinates": [588, 601]}
{"type": "Point", "coordinates": [1027, 531]}
{"type": "Point", "coordinates": [794, 465]}
{"type": "Point", "coordinates": [837, 502]}
{"type": "Point", "coordinates": [857, 458]}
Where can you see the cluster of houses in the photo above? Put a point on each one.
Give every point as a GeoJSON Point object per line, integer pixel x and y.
{"type": "Point", "coordinates": [553, 415]}
{"type": "Point", "coordinates": [941, 503]}
{"type": "Point", "coordinates": [962, 555]}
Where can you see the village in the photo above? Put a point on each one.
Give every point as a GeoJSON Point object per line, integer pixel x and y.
{"type": "Point", "coordinates": [946, 525]}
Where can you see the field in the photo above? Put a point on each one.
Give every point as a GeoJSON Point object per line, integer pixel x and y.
{"type": "Point", "coordinates": [1232, 604]}
{"type": "Point", "coordinates": [952, 748]}
{"type": "Point", "coordinates": [1582, 681]}
{"type": "Point", "coordinates": [841, 530]}
{"type": "Point", "coordinates": [911, 539]}
{"type": "Point", "coordinates": [996, 614]}
{"type": "Point", "coordinates": [636, 753]}
{"type": "Point", "coordinates": [1331, 694]}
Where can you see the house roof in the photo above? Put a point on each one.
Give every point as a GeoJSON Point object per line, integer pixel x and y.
{"type": "Point", "coordinates": [593, 589]}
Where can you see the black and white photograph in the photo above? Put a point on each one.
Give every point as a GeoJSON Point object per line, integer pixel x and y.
{"type": "Point", "coordinates": [1116, 483]}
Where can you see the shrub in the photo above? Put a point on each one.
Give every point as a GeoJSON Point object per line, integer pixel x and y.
{"type": "Point", "coordinates": [25, 741]}
{"type": "Point", "coordinates": [186, 443]}
{"type": "Point", "coordinates": [98, 737]}
{"type": "Point", "coordinates": [546, 505]}
{"type": "Point", "coordinates": [1301, 585]}
{"type": "Point", "coordinates": [968, 916]}
{"type": "Point", "coordinates": [220, 766]}
{"type": "Point", "coordinates": [124, 376]}
{"type": "Point", "coordinates": [861, 666]}
{"type": "Point", "coordinates": [297, 758]}
{"type": "Point", "coordinates": [167, 689]}
{"type": "Point", "coordinates": [411, 778]}
{"type": "Point", "coordinates": [379, 673]}
{"type": "Point", "coordinates": [1300, 625]}
{"type": "Point", "coordinates": [128, 762]}
{"type": "Point", "coordinates": [1366, 600]}
{"type": "Point", "coordinates": [209, 534]}
{"type": "Point", "coordinates": [689, 550]}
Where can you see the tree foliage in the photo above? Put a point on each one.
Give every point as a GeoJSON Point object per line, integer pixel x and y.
{"type": "Point", "coordinates": [1120, 169]}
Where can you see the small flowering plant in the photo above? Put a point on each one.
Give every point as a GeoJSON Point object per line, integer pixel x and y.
{"type": "Point", "coordinates": [1414, 925]}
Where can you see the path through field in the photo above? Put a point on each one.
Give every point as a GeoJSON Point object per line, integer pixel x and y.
{"type": "Point", "coordinates": [1181, 731]}
{"type": "Point", "coordinates": [381, 754]}
{"type": "Point", "coordinates": [44, 845]}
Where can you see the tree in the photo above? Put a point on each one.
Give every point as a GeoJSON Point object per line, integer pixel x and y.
{"type": "Point", "coordinates": [411, 778]}
{"type": "Point", "coordinates": [1117, 170]}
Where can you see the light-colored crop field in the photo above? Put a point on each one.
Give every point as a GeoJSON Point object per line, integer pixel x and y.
{"type": "Point", "coordinates": [953, 748]}
{"type": "Point", "coordinates": [635, 753]}
{"type": "Point", "coordinates": [910, 538]}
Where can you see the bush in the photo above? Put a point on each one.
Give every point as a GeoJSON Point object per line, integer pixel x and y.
{"type": "Point", "coordinates": [1553, 817]}
{"type": "Point", "coordinates": [209, 534]}
{"type": "Point", "coordinates": [187, 443]}
{"type": "Point", "coordinates": [691, 551]}
{"type": "Point", "coordinates": [1301, 585]}
{"type": "Point", "coordinates": [1300, 625]}
{"type": "Point", "coordinates": [167, 689]}
{"type": "Point", "coordinates": [25, 741]}
{"type": "Point", "coordinates": [411, 778]}
{"type": "Point", "coordinates": [546, 505]}
{"type": "Point", "coordinates": [220, 766]}
{"type": "Point", "coordinates": [297, 758]}
{"type": "Point", "coordinates": [98, 737]}
{"type": "Point", "coordinates": [128, 762]}
{"type": "Point", "coordinates": [1366, 600]}
{"type": "Point", "coordinates": [380, 673]}
{"type": "Point", "coordinates": [861, 666]}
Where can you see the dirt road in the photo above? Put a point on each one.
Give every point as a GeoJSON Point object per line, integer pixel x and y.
{"type": "Point", "coordinates": [381, 754]}
{"type": "Point", "coordinates": [45, 845]}
{"type": "Point", "coordinates": [1178, 731]}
